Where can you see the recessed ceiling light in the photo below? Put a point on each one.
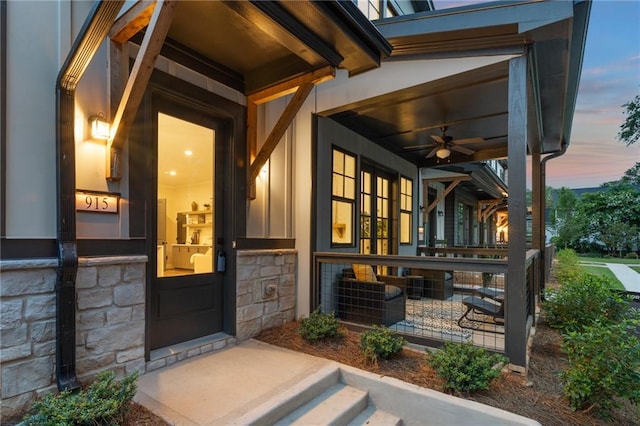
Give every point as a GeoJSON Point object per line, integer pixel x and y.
{"type": "Point", "coordinates": [188, 153]}
{"type": "Point", "coordinates": [172, 172]}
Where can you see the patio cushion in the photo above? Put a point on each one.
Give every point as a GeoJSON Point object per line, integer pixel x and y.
{"type": "Point", "coordinates": [364, 273]}
{"type": "Point", "coordinates": [391, 291]}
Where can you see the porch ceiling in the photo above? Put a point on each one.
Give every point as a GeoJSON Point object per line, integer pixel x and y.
{"type": "Point", "coordinates": [257, 44]}
{"type": "Point", "coordinates": [475, 103]}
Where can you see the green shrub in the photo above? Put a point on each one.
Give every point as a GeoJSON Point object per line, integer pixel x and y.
{"type": "Point", "coordinates": [568, 267]}
{"type": "Point", "coordinates": [604, 364]}
{"type": "Point", "coordinates": [465, 367]}
{"type": "Point", "coordinates": [631, 255]}
{"type": "Point", "coordinates": [380, 342]}
{"type": "Point", "coordinates": [105, 402]}
{"type": "Point", "coordinates": [320, 326]}
{"type": "Point", "coordinates": [577, 304]}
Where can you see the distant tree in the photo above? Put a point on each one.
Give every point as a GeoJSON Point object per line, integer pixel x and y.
{"type": "Point", "coordinates": [630, 130]}
{"type": "Point", "coordinates": [631, 177]}
{"type": "Point", "coordinates": [565, 219]}
{"type": "Point", "coordinates": [612, 216]}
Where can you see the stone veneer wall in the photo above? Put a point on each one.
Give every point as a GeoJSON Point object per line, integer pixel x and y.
{"type": "Point", "coordinates": [266, 290]}
{"type": "Point", "coordinates": [110, 324]}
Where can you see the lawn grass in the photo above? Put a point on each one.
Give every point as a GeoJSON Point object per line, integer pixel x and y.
{"type": "Point", "coordinates": [606, 272]}
{"type": "Point", "coordinates": [609, 260]}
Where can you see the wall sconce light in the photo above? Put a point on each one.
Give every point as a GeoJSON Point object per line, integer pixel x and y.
{"type": "Point", "coordinates": [440, 213]}
{"type": "Point", "coordinates": [100, 128]}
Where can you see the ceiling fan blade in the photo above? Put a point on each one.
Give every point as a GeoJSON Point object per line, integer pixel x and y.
{"type": "Point", "coordinates": [432, 152]}
{"type": "Point", "coordinates": [462, 149]}
{"type": "Point", "coordinates": [437, 138]}
{"type": "Point", "coordinates": [468, 140]}
{"type": "Point", "coordinates": [418, 147]}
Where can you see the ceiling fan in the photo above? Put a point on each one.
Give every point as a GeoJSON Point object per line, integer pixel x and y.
{"type": "Point", "coordinates": [445, 144]}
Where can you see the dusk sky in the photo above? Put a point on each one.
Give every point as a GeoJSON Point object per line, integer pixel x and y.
{"type": "Point", "coordinates": [610, 78]}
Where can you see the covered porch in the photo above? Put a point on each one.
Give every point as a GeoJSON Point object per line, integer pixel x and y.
{"type": "Point", "coordinates": [501, 88]}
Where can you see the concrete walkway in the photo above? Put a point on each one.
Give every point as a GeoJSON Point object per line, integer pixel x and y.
{"type": "Point", "coordinates": [217, 388]}
{"type": "Point", "coordinates": [252, 382]}
{"type": "Point", "coordinates": [627, 276]}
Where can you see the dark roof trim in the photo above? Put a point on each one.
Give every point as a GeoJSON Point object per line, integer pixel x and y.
{"type": "Point", "coordinates": [353, 19]}
{"type": "Point", "coordinates": [582, 12]}
{"type": "Point", "coordinates": [277, 14]}
{"type": "Point", "coordinates": [527, 15]}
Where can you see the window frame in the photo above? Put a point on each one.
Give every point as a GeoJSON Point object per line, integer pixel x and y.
{"type": "Point", "coordinates": [401, 203]}
{"type": "Point", "coordinates": [343, 199]}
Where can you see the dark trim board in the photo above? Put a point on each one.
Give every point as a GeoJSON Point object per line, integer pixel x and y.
{"type": "Point", "coordinates": [22, 249]}
{"type": "Point", "coordinates": [25, 249]}
{"type": "Point", "coordinates": [91, 247]}
{"type": "Point", "coordinates": [265, 243]}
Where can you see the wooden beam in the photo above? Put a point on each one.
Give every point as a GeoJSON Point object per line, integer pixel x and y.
{"type": "Point", "coordinates": [132, 21]}
{"type": "Point", "coordinates": [287, 87]}
{"type": "Point", "coordinates": [141, 73]}
{"type": "Point", "coordinates": [447, 190]}
{"type": "Point", "coordinates": [279, 129]}
{"type": "Point", "coordinates": [448, 178]}
{"type": "Point", "coordinates": [490, 209]}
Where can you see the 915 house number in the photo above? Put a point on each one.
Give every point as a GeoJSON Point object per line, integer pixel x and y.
{"type": "Point", "coordinates": [97, 202]}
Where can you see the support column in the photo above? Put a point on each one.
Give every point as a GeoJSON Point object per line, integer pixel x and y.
{"type": "Point", "coordinates": [516, 295]}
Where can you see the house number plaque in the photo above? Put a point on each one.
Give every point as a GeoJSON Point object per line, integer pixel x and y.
{"type": "Point", "coordinates": [97, 202]}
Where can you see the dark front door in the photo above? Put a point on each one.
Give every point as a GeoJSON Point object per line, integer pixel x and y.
{"type": "Point", "coordinates": [186, 268]}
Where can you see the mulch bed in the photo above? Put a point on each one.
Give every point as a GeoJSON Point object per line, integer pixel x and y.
{"type": "Point", "coordinates": [538, 396]}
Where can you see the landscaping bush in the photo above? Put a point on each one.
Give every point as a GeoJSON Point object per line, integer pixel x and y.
{"type": "Point", "coordinates": [320, 326]}
{"type": "Point", "coordinates": [604, 364]}
{"type": "Point", "coordinates": [465, 367]}
{"type": "Point", "coordinates": [567, 268]}
{"type": "Point", "coordinates": [105, 402]}
{"type": "Point", "coordinates": [380, 342]}
{"type": "Point", "coordinates": [631, 255]}
{"type": "Point", "coordinates": [580, 303]}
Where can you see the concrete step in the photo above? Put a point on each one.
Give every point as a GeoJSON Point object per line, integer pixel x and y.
{"type": "Point", "coordinates": [373, 416]}
{"type": "Point", "coordinates": [296, 396]}
{"type": "Point", "coordinates": [338, 405]}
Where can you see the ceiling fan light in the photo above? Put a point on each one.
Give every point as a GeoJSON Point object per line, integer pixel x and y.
{"type": "Point", "coordinates": [443, 153]}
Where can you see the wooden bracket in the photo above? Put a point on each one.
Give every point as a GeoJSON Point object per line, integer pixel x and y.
{"type": "Point", "coordinates": [454, 182]}
{"type": "Point", "coordinates": [301, 87]}
{"type": "Point", "coordinates": [162, 13]}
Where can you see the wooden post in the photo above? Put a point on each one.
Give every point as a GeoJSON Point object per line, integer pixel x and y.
{"type": "Point", "coordinates": [516, 294]}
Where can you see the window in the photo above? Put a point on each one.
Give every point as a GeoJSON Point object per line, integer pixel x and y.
{"type": "Point", "coordinates": [460, 224]}
{"type": "Point", "coordinates": [343, 192]}
{"type": "Point", "coordinates": [406, 210]}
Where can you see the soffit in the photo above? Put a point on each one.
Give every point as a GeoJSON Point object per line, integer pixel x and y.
{"type": "Point", "coordinates": [475, 103]}
{"type": "Point", "coordinates": [265, 43]}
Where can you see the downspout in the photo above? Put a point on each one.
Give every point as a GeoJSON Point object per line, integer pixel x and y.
{"type": "Point", "coordinates": [543, 224]}
{"type": "Point", "coordinates": [91, 36]}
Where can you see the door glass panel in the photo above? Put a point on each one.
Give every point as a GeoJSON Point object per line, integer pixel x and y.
{"type": "Point", "coordinates": [185, 192]}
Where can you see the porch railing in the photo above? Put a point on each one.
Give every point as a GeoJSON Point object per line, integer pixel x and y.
{"type": "Point", "coordinates": [429, 300]}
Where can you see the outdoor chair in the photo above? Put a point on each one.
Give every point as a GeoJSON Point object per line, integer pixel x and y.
{"type": "Point", "coordinates": [370, 299]}
{"type": "Point", "coordinates": [483, 307]}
